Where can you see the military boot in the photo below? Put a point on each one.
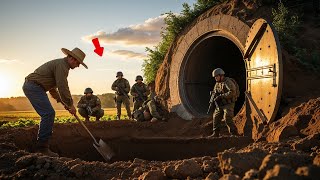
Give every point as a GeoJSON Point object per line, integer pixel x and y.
{"type": "Point", "coordinates": [234, 133]}
{"type": "Point", "coordinates": [215, 133]}
{"type": "Point", "coordinates": [43, 147]}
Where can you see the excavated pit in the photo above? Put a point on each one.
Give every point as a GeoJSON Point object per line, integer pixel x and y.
{"type": "Point", "coordinates": [73, 142]}
{"type": "Point", "coordinates": [210, 52]}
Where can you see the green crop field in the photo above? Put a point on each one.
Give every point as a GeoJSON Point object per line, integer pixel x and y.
{"type": "Point", "coordinates": [28, 118]}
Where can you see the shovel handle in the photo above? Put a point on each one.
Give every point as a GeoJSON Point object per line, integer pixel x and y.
{"type": "Point", "coordinates": [85, 127]}
{"type": "Point", "coordinates": [82, 124]}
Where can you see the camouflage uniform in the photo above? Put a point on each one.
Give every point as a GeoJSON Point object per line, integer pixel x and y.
{"type": "Point", "coordinates": [227, 90]}
{"type": "Point", "coordinates": [138, 100]}
{"type": "Point", "coordinates": [122, 98]}
{"type": "Point", "coordinates": [94, 103]}
{"type": "Point", "coordinates": [154, 109]}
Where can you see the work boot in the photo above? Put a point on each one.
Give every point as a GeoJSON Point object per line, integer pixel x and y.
{"type": "Point", "coordinates": [43, 147]}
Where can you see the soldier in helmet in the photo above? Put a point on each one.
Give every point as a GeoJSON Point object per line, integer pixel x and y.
{"type": "Point", "coordinates": [90, 105]}
{"type": "Point", "coordinates": [225, 92]}
{"type": "Point", "coordinates": [151, 110]}
{"type": "Point", "coordinates": [122, 87]}
{"type": "Point", "coordinates": [140, 93]}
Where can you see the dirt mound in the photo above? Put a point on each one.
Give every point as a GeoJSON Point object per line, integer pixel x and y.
{"type": "Point", "coordinates": [302, 120]}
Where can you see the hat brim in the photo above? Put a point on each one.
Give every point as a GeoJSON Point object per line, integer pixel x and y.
{"type": "Point", "coordinates": [67, 52]}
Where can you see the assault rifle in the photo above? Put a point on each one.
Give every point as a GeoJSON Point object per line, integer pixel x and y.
{"type": "Point", "coordinates": [123, 92]}
{"type": "Point", "coordinates": [140, 95]}
{"type": "Point", "coordinates": [213, 95]}
{"type": "Point", "coordinates": [89, 110]}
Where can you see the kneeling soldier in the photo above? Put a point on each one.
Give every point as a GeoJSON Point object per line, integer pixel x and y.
{"type": "Point", "coordinates": [151, 110]}
{"type": "Point", "coordinates": [90, 105]}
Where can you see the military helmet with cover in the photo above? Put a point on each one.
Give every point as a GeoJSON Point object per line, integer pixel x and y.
{"type": "Point", "coordinates": [88, 90]}
{"type": "Point", "coordinates": [119, 74]}
{"type": "Point", "coordinates": [217, 71]}
{"type": "Point", "coordinates": [139, 78]}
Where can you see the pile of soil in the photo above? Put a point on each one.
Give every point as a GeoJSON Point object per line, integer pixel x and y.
{"type": "Point", "coordinates": [293, 157]}
{"type": "Point", "coordinates": [289, 148]}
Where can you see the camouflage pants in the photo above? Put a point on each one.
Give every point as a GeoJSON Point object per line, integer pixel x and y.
{"type": "Point", "coordinates": [97, 114]}
{"type": "Point", "coordinates": [126, 102]}
{"type": "Point", "coordinates": [226, 113]}
{"type": "Point", "coordinates": [153, 110]}
{"type": "Point", "coordinates": [137, 105]}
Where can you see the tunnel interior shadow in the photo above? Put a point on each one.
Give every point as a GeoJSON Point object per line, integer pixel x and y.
{"type": "Point", "coordinates": [211, 53]}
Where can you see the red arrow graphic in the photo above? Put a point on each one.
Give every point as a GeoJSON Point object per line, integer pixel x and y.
{"type": "Point", "coordinates": [99, 49]}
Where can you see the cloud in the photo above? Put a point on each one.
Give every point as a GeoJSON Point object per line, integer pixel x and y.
{"type": "Point", "coordinates": [129, 54]}
{"type": "Point", "coordinates": [9, 61]}
{"type": "Point", "coordinates": [145, 34]}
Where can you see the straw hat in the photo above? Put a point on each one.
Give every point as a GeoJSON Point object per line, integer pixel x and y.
{"type": "Point", "coordinates": [77, 54]}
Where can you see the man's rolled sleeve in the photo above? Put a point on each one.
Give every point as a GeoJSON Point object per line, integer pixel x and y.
{"type": "Point", "coordinates": [61, 74]}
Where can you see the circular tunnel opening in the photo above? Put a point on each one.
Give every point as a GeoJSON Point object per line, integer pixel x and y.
{"type": "Point", "coordinates": [207, 53]}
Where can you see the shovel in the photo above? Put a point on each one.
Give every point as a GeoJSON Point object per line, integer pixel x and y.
{"type": "Point", "coordinates": [105, 151]}
{"type": "Point", "coordinates": [102, 147]}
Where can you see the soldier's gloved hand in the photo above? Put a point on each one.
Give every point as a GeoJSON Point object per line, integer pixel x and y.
{"type": "Point", "coordinates": [218, 98]}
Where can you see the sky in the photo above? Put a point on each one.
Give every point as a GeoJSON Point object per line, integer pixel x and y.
{"type": "Point", "coordinates": [33, 32]}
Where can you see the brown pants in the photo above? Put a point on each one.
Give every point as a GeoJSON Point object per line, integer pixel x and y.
{"type": "Point", "coordinates": [125, 100]}
{"type": "Point", "coordinates": [225, 112]}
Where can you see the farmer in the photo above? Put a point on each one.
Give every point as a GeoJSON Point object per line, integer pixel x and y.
{"type": "Point", "coordinates": [52, 77]}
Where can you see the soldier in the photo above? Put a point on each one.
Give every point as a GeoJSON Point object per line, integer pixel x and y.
{"type": "Point", "coordinates": [52, 77]}
{"type": "Point", "coordinates": [122, 88]}
{"type": "Point", "coordinates": [225, 93]}
{"type": "Point", "coordinates": [140, 93]}
{"type": "Point", "coordinates": [90, 105]}
{"type": "Point", "coordinates": [151, 110]}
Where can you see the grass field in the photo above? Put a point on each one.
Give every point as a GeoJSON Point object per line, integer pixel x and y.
{"type": "Point", "coordinates": [16, 115]}
{"type": "Point", "coordinates": [12, 119]}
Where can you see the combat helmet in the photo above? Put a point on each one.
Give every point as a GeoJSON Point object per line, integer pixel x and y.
{"type": "Point", "coordinates": [119, 74]}
{"type": "Point", "coordinates": [217, 71]}
{"type": "Point", "coordinates": [139, 78]}
{"type": "Point", "coordinates": [88, 90]}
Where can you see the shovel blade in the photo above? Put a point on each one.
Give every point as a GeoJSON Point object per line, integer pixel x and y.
{"type": "Point", "coordinates": [105, 151]}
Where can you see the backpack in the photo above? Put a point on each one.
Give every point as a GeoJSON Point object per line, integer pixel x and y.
{"type": "Point", "coordinates": [237, 88]}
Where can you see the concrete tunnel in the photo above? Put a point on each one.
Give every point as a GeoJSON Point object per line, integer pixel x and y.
{"type": "Point", "coordinates": [250, 55]}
